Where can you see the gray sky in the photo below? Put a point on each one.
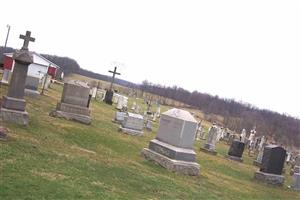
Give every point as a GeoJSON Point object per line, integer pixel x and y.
{"type": "Point", "coordinates": [246, 50]}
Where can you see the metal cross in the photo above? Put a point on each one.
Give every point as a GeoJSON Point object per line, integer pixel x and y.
{"type": "Point", "coordinates": [113, 77]}
{"type": "Point", "coordinates": [26, 39]}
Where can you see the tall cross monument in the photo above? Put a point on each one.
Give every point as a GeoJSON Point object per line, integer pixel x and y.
{"type": "Point", "coordinates": [109, 94]}
{"type": "Point", "coordinates": [13, 104]}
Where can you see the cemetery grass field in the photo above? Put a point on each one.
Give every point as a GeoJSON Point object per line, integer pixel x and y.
{"type": "Point", "coordinates": [54, 158]}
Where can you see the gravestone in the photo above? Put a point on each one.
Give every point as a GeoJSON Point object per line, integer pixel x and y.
{"type": "Point", "coordinates": [100, 94]}
{"type": "Point", "coordinates": [31, 86]}
{"type": "Point", "coordinates": [149, 125]}
{"type": "Point", "coordinates": [236, 151]}
{"type": "Point", "coordinates": [132, 124]}
{"type": "Point", "coordinates": [296, 176]}
{"type": "Point", "coordinates": [210, 145]}
{"type": "Point", "coordinates": [297, 164]}
{"type": "Point", "coordinates": [94, 92]}
{"type": "Point", "coordinates": [258, 160]}
{"type": "Point", "coordinates": [119, 117]}
{"type": "Point", "coordinates": [122, 103]}
{"type": "Point", "coordinates": [173, 146]}
{"type": "Point", "coordinates": [74, 102]}
{"type": "Point", "coordinates": [272, 165]}
{"type": "Point", "coordinates": [5, 76]}
{"type": "Point", "coordinates": [13, 104]}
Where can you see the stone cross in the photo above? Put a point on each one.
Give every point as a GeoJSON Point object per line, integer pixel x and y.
{"type": "Point", "coordinates": [26, 39]}
{"type": "Point", "coordinates": [113, 77]}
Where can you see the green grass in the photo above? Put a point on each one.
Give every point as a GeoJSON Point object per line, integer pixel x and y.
{"type": "Point", "coordinates": [58, 159]}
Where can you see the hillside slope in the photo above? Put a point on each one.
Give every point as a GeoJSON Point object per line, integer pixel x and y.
{"type": "Point", "coordinates": [59, 159]}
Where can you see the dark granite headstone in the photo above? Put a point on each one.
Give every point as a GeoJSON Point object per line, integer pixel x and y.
{"type": "Point", "coordinates": [236, 149]}
{"type": "Point", "coordinates": [273, 159]}
{"type": "Point", "coordinates": [108, 97]}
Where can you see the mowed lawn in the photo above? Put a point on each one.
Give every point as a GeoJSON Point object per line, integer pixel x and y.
{"type": "Point", "coordinates": [58, 159]}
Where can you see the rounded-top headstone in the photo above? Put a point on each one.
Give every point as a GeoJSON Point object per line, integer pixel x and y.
{"type": "Point", "coordinates": [178, 128]}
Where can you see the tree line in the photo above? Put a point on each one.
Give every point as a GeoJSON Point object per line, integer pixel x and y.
{"type": "Point", "coordinates": [282, 128]}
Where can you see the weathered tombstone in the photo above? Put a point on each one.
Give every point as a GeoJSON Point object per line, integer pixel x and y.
{"type": "Point", "coordinates": [296, 176]}
{"type": "Point", "coordinates": [119, 117]}
{"type": "Point", "coordinates": [13, 104]}
{"type": "Point", "coordinates": [132, 124]}
{"type": "Point", "coordinates": [149, 125]}
{"type": "Point", "coordinates": [272, 165]}
{"type": "Point", "coordinates": [236, 151]}
{"type": "Point", "coordinates": [109, 94]}
{"type": "Point", "coordinates": [173, 146]}
{"type": "Point", "coordinates": [115, 98]}
{"type": "Point", "coordinates": [122, 103]}
{"type": "Point", "coordinates": [94, 92]}
{"type": "Point", "coordinates": [210, 145]}
{"type": "Point", "coordinates": [243, 136]}
{"type": "Point", "coordinates": [297, 164]}
{"type": "Point", "coordinates": [5, 76]}
{"type": "Point", "coordinates": [258, 160]}
{"type": "Point", "coordinates": [137, 109]}
{"type": "Point", "coordinates": [100, 94]}
{"type": "Point", "coordinates": [74, 102]}
{"type": "Point", "coordinates": [31, 86]}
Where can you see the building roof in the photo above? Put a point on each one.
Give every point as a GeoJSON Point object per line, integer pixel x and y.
{"type": "Point", "coordinates": [38, 59]}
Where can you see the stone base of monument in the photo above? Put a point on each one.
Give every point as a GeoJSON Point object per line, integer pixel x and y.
{"type": "Point", "coordinates": [209, 151]}
{"type": "Point", "coordinates": [235, 158]}
{"type": "Point", "coordinates": [131, 131]}
{"type": "Point", "coordinates": [272, 179]}
{"type": "Point", "coordinates": [15, 116]}
{"type": "Point", "coordinates": [182, 167]}
{"type": "Point", "coordinates": [256, 163]}
{"type": "Point", "coordinates": [31, 93]}
{"type": "Point", "coordinates": [72, 112]}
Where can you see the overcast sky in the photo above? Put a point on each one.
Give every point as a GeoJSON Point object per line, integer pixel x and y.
{"type": "Point", "coordinates": [246, 50]}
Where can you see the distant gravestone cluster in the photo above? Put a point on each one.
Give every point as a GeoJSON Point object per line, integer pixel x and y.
{"type": "Point", "coordinates": [173, 146]}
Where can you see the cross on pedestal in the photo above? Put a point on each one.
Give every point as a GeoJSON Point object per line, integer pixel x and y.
{"type": "Point", "coordinates": [113, 77]}
{"type": "Point", "coordinates": [26, 39]}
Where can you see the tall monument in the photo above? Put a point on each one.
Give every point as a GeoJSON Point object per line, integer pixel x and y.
{"type": "Point", "coordinates": [13, 104]}
{"type": "Point", "coordinates": [109, 94]}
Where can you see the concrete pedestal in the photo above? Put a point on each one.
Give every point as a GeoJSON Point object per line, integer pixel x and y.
{"type": "Point", "coordinates": [235, 158]}
{"type": "Point", "coordinates": [72, 112]}
{"type": "Point", "coordinates": [209, 151]}
{"type": "Point", "coordinates": [272, 179]}
{"type": "Point", "coordinates": [15, 116]}
{"type": "Point", "coordinates": [182, 167]}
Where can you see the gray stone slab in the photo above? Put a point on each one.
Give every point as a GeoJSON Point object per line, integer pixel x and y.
{"type": "Point", "coordinates": [15, 116]}
{"type": "Point", "coordinates": [71, 116]}
{"type": "Point", "coordinates": [182, 167]}
{"type": "Point", "coordinates": [32, 93]}
{"type": "Point", "coordinates": [131, 131]}
{"type": "Point", "coordinates": [177, 127]}
{"type": "Point", "coordinates": [296, 182]}
{"type": "Point", "coordinates": [76, 93]}
{"type": "Point", "coordinates": [13, 103]}
{"type": "Point", "coordinates": [70, 108]}
{"type": "Point", "coordinates": [171, 151]}
{"type": "Point", "coordinates": [272, 179]}
{"type": "Point", "coordinates": [32, 83]}
{"type": "Point", "coordinates": [209, 151]}
{"type": "Point", "coordinates": [235, 158]}
{"type": "Point", "coordinates": [133, 121]}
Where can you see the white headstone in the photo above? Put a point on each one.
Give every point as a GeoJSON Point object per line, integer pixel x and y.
{"type": "Point", "coordinates": [211, 138]}
{"type": "Point", "coordinates": [5, 77]}
{"type": "Point", "coordinates": [133, 124]}
{"type": "Point", "coordinates": [177, 127]}
{"type": "Point", "coordinates": [243, 136]}
{"type": "Point", "coordinates": [119, 117]}
{"type": "Point", "coordinates": [94, 92]}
